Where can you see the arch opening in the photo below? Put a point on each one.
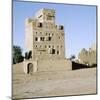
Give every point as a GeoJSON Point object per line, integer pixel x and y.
{"type": "Point", "coordinates": [30, 68]}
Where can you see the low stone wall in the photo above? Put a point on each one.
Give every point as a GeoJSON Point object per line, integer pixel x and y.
{"type": "Point", "coordinates": [54, 65]}
{"type": "Point", "coordinates": [48, 65]}
{"type": "Point", "coordinates": [18, 68]}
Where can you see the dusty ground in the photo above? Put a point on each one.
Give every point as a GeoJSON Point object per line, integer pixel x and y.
{"type": "Point", "coordinates": [76, 82]}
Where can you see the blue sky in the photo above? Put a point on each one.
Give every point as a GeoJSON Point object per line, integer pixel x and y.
{"type": "Point", "coordinates": [79, 22]}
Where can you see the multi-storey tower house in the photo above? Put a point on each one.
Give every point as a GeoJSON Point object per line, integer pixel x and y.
{"type": "Point", "coordinates": [43, 37]}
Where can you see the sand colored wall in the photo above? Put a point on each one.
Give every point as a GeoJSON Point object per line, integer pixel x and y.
{"type": "Point", "coordinates": [46, 41]}
{"type": "Point", "coordinates": [28, 34]}
{"type": "Point", "coordinates": [48, 65]}
{"type": "Point", "coordinates": [43, 15]}
{"type": "Point", "coordinates": [54, 65]}
{"type": "Point", "coordinates": [41, 49]}
{"type": "Point", "coordinates": [17, 68]}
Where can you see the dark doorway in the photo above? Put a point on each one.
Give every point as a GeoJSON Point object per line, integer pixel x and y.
{"type": "Point", "coordinates": [30, 68]}
{"type": "Point", "coordinates": [53, 51]}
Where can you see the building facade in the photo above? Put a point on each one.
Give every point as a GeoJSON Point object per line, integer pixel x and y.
{"type": "Point", "coordinates": [43, 37]}
{"type": "Point", "coordinates": [46, 41]}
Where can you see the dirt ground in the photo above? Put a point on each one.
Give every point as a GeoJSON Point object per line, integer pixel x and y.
{"type": "Point", "coordinates": [43, 84]}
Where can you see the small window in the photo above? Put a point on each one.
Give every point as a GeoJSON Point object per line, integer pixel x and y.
{"type": "Point", "coordinates": [49, 46]}
{"type": "Point", "coordinates": [46, 33]}
{"type": "Point", "coordinates": [42, 38]}
{"type": "Point", "coordinates": [59, 37]}
{"type": "Point", "coordinates": [36, 38]}
{"type": "Point", "coordinates": [49, 38]}
{"type": "Point", "coordinates": [57, 52]}
{"type": "Point", "coordinates": [36, 46]}
{"type": "Point", "coordinates": [39, 25]}
{"type": "Point", "coordinates": [53, 51]}
{"type": "Point", "coordinates": [60, 27]}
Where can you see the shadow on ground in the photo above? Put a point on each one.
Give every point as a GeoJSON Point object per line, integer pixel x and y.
{"type": "Point", "coordinates": [81, 66]}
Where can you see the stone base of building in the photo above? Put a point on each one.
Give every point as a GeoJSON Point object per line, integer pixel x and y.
{"type": "Point", "coordinates": [32, 66]}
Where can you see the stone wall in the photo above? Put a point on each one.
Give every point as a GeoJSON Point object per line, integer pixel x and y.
{"type": "Point", "coordinates": [48, 65]}
{"type": "Point", "coordinates": [54, 65]}
{"type": "Point", "coordinates": [17, 68]}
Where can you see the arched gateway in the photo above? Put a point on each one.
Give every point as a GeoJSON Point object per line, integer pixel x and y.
{"type": "Point", "coordinates": [30, 68]}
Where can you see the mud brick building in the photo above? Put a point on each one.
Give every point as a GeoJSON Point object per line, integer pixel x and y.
{"type": "Point", "coordinates": [46, 41]}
